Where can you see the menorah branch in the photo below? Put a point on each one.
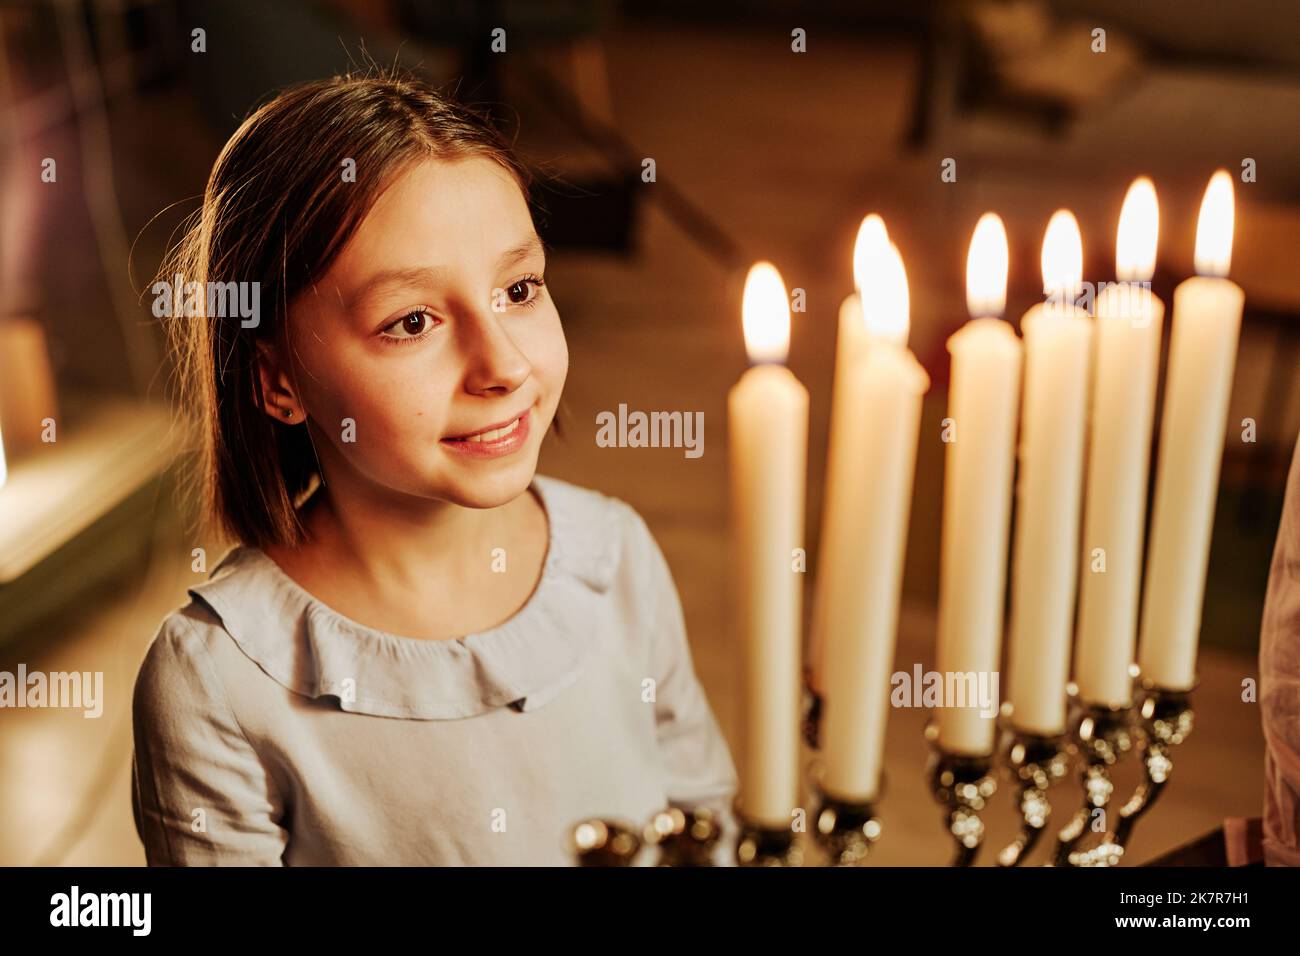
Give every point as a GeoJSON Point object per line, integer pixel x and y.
{"type": "Point", "coordinates": [963, 785]}
{"type": "Point", "coordinates": [761, 845]}
{"type": "Point", "coordinates": [1166, 718]}
{"type": "Point", "coordinates": [846, 830]}
{"type": "Point", "coordinates": [1036, 762]}
{"type": "Point", "coordinates": [1103, 735]}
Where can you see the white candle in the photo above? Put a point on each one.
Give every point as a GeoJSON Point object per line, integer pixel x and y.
{"type": "Point", "coordinates": [768, 416]}
{"type": "Point", "coordinates": [1129, 321]}
{"type": "Point", "coordinates": [1058, 339]}
{"type": "Point", "coordinates": [851, 343]}
{"type": "Point", "coordinates": [1202, 357]}
{"type": "Point", "coordinates": [983, 406]}
{"type": "Point", "coordinates": [864, 538]}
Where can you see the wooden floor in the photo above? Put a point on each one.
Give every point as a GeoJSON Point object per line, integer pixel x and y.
{"type": "Point", "coordinates": [788, 158]}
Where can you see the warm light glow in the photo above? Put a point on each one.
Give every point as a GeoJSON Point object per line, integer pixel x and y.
{"type": "Point", "coordinates": [1062, 257]}
{"type": "Point", "coordinates": [1139, 228]}
{"type": "Point", "coordinates": [4, 471]}
{"type": "Point", "coordinates": [872, 243]}
{"type": "Point", "coordinates": [1214, 227]}
{"type": "Point", "coordinates": [986, 268]}
{"type": "Point", "coordinates": [765, 314]}
{"type": "Point", "coordinates": [885, 302]}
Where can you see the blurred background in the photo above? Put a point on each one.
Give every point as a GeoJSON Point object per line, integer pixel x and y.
{"type": "Point", "coordinates": [112, 118]}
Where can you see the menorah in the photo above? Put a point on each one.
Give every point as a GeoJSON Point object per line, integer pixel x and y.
{"type": "Point", "coordinates": [680, 838]}
{"type": "Point", "coordinates": [1156, 722]}
{"type": "Point", "coordinates": [1052, 427]}
{"type": "Point", "coordinates": [845, 831]}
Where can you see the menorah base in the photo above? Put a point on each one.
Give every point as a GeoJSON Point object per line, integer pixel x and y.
{"type": "Point", "coordinates": [1103, 735]}
{"type": "Point", "coordinates": [760, 845]}
{"type": "Point", "coordinates": [846, 830]}
{"type": "Point", "coordinates": [963, 784]}
{"type": "Point", "coordinates": [1036, 762]}
{"type": "Point", "coordinates": [685, 838]}
{"type": "Point", "coordinates": [1165, 721]}
{"type": "Point", "coordinates": [599, 842]}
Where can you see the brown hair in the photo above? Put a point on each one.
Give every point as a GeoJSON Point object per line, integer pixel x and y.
{"type": "Point", "coordinates": [277, 210]}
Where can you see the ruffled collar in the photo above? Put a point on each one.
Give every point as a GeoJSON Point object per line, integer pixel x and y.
{"type": "Point", "coordinates": [526, 661]}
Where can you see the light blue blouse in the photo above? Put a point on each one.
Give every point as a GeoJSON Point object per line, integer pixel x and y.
{"type": "Point", "coordinates": [271, 730]}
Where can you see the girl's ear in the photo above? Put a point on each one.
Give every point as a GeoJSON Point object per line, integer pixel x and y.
{"type": "Point", "coordinates": [279, 400]}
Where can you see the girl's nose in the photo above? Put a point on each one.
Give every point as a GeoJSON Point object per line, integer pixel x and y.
{"type": "Point", "coordinates": [494, 362]}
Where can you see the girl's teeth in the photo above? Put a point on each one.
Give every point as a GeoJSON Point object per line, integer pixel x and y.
{"type": "Point", "coordinates": [495, 433]}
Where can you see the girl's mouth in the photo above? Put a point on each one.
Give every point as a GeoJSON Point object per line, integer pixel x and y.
{"type": "Point", "coordinates": [494, 441]}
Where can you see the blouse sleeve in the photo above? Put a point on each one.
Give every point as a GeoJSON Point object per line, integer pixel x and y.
{"type": "Point", "coordinates": [199, 792]}
{"type": "Point", "coordinates": [698, 763]}
{"type": "Point", "coordinates": [1279, 685]}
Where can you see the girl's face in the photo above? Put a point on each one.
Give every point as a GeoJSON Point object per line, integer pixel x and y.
{"type": "Point", "coordinates": [433, 325]}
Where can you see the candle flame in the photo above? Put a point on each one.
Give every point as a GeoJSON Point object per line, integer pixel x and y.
{"type": "Point", "coordinates": [1214, 227]}
{"type": "Point", "coordinates": [872, 242]}
{"type": "Point", "coordinates": [1062, 257]}
{"type": "Point", "coordinates": [765, 314]}
{"type": "Point", "coordinates": [885, 300]}
{"type": "Point", "coordinates": [986, 268]}
{"type": "Point", "coordinates": [1139, 228]}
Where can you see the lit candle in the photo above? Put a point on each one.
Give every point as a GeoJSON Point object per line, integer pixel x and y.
{"type": "Point", "coordinates": [865, 536]}
{"type": "Point", "coordinates": [1202, 357]}
{"type": "Point", "coordinates": [768, 416]}
{"type": "Point", "coordinates": [850, 346]}
{"type": "Point", "coordinates": [1129, 321]}
{"type": "Point", "coordinates": [983, 406]}
{"type": "Point", "coordinates": [1058, 339]}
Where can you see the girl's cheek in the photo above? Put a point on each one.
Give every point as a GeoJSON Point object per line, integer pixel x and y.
{"type": "Point", "coordinates": [540, 339]}
{"type": "Point", "coordinates": [553, 353]}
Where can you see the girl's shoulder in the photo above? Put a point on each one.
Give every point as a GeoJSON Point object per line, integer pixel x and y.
{"type": "Point", "coordinates": [597, 535]}
{"type": "Point", "coordinates": [608, 542]}
{"type": "Point", "coordinates": [239, 625]}
{"type": "Point", "coordinates": [189, 667]}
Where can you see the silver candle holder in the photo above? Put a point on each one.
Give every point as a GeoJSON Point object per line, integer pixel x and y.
{"type": "Point", "coordinates": [1102, 735]}
{"type": "Point", "coordinates": [685, 838]}
{"type": "Point", "coordinates": [762, 845]}
{"type": "Point", "coordinates": [845, 830]}
{"type": "Point", "coordinates": [1157, 720]}
{"type": "Point", "coordinates": [1165, 720]}
{"type": "Point", "coordinates": [963, 785]}
{"type": "Point", "coordinates": [598, 842]}
{"type": "Point", "coordinates": [1035, 763]}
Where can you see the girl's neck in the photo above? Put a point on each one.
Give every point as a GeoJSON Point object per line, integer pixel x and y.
{"type": "Point", "coordinates": [395, 565]}
{"type": "Point", "coordinates": [396, 540]}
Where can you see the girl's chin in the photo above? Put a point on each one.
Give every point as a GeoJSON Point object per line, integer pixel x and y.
{"type": "Point", "coordinates": [488, 487]}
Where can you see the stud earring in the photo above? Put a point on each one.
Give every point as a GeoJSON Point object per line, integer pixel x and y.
{"type": "Point", "coordinates": [288, 413]}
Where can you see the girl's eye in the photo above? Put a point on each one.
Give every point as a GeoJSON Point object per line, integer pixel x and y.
{"type": "Point", "coordinates": [410, 327]}
{"type": "Point", "coordinates": [525, 291]}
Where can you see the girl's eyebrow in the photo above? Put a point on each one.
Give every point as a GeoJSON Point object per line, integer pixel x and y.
{"type": "Point", "coordinates": [420, 275]}
{"type": "Point", "coordinates": [429, 275]}
{"type": "Point", "coordinates": [532, 246]}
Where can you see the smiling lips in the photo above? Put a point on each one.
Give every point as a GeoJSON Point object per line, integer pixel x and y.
{"type": "Point", "coordinates": [493, 441]}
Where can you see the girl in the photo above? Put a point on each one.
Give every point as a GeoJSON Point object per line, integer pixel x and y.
{"type": "Point", "coordinates": [420, 651]}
